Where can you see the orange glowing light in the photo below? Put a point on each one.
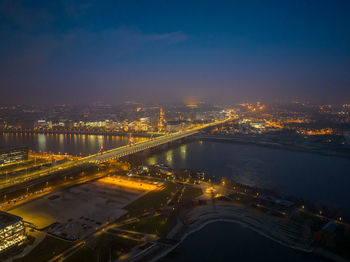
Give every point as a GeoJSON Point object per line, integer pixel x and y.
{"type": "Point", "coordinates": [139, 185]}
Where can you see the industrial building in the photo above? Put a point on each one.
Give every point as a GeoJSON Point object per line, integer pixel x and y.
{"type": "Point", "coordinates": [13, 154]}
{"type": "Point", "coordinates": [12, 231]}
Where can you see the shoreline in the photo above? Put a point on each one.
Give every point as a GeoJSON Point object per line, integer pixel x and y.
{"type": "Point", "coordinates": [199, 221]}
{"type": "Point", "coordinates": [216, 220]}
{"type": "Point", "coordinates": [63, 132]}
{"type": "Point", "coordinates": [317, 251]}
{"type": "Point", "coordinates": [275, 145]}
{"type": "Point", "coordinates": [263, 225]}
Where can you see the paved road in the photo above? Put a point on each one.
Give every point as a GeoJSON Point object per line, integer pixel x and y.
{"type": "Point", "coordinates": [107, 155]}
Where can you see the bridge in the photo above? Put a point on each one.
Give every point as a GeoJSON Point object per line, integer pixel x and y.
{"type": "Point", "coordinates": [144, 145]}
{"type": "Point", "coordinates": [106, 155]}
{"type": "Point", "coordinates": [137, 147]}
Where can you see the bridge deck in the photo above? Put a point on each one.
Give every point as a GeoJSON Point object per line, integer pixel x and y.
{"type": "Point", "coordinates": [105, 156]}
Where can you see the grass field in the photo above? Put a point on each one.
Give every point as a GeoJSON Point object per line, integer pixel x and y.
{"type": "Point", "coordinates": [160, 225]}
{"type": "Point", "coordinates": [242, 198]}
{"type": "Point", "coordinates": [47, 249]}
{"type": "Point", "coordinates": [152, 200]}
{"type": "Point", "coordinates": [191, 192]}
{"type": "Point", "coordinates": [108, 248]}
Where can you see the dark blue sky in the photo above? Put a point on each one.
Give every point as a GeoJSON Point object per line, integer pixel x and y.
{"type": "Point", "coordinates": [219, 51]}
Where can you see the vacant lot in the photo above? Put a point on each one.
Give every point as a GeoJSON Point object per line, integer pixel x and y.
{"type": "Point", "coordinates": [89, 204]}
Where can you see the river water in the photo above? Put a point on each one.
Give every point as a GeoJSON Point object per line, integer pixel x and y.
{"type": "Point", "coordinates": [223, 241]}
{"type": "Point", "coordinates": [59, 143]}
{"type": "Point", "coordinates": [311, 176]}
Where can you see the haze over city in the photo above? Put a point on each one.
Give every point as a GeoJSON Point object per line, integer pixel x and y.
{"type": "Point", "coordinates": [174, 51]}
{"type": "Point", "coordinates": [174, 131]}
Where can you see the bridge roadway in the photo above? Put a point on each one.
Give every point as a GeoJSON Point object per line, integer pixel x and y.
{"type": "Point", "coordinates": [104, 156]}
{"type": "Point", "coordinates": [137, 147]}
{"type": "Point", "coordinates": [140, 146]}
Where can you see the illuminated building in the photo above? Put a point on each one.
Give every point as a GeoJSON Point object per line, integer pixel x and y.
{"type": "Point", "coordinates": [257, 124]}
{"type": "Point", "coordinates": [161, 120]}
{"type": "Point", "coordinates": [14, 154]}
{"type": "Point", "coordinates": [145, 120]}
{"type": "Point", "coordinates": [316, 132]}
{"type": "Point", "coordinates": [12, 231]}
{"type": "Point", "coordinates": [138, 126]}
{"type": "Point", "coordinates": [165, 171]}
{"type": "Point", "coordinates": [175, 126]}
{"type": "Point", "coordinates": [41, 123]}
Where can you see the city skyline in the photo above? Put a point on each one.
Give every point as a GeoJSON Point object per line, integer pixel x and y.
{"type": "Point", "coordinates": [220, 52]}
{"type": "Point", "coordinates": [174, 130]}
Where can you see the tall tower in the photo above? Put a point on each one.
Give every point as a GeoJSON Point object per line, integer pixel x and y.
{"type": "Point", "coordinates": [101, 148]}
{"type": "Point", "coordinates": [161, 120]}
{"type": "Point", "coordinates": [131, 140]}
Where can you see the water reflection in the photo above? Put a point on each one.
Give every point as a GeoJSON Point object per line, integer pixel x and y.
{"type": "Point", "coordinates": [310, 176]}
{"type": "Point", "coordinates": [152, 160]}
{"type": "Point", "coordinates": [169, 157]}
{"type": "Point", "coordinates": [61, 144]}
{"type": "Point", "coordinates": [42, 143]}
{"type": "Point", "coordinates": [183, 149]}
{"type": "Point", "coordinates": [70, 144]}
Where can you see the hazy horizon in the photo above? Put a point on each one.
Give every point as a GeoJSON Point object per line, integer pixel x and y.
{"type": "Point", "coordinates": [79, 52]}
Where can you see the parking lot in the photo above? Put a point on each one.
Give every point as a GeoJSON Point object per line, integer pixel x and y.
{"type": "Point", "coordinates": [77, 210]}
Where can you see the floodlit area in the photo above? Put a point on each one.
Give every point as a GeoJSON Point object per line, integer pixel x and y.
{"type": "Point", "coordinates": [78, 210]}
{"type": "Point", "coordinates": [132, 184]}
{"type": "Point", "coordinates": [212, 190]}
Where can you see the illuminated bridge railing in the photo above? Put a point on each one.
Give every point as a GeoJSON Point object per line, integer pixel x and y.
{"type": "Point", "coordinates": [102, 157]}
{"type": "Point", "coordinates": [138, 147]}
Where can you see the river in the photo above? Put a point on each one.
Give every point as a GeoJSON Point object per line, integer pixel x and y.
{"type": "Point", "coordinates": [223, 241]}
{"type": "Point", "coordinates": [311, 176]}
{"type": "Point", "coordinates": [60, 143]}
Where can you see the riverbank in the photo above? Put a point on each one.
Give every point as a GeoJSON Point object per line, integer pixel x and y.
{"type": "Point", "coordinates": [263, 225]}
{"type": "Point", "coordinates": [227, 241]}
{"type": "Point", "coordinates": [277, 145]}
{"type": "Point", "coordinates": [78, 132]}
{"type": "Point", "coordinates": [286, 172]}
{"type": "Point", "coordinates": [201, 216]}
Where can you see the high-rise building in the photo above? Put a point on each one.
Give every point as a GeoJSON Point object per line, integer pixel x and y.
{"type": "Point", "coordinates": [161, 120]}
{"type": "Point", "coordinates": [14, 154]}
{"type": "Point", "coordinates": [12, 231]}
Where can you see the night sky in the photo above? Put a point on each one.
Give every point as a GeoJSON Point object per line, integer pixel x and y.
{"type": "Point", "coordinates": [174, 51]}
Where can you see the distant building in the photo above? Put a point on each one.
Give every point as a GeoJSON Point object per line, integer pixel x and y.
{"type": "Point", "coordinates": [257, 124]}
{"type": "Point", "coordinates": [161, 120]}
{"type": "Point", "coordinates": [145, 120]}
{"type": "Point", "coordinates": [14, 154]}
{"type": "Point", "coordinates": [27, 124]}
{"type": "Point", "coordinates": [166, 171]}
{"type": "Point", "coordinates": [175, 126]}
{"type": "Point", "coordinates": [41, 123]}
{"type": "Point", "coordinates": [12, 231]}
